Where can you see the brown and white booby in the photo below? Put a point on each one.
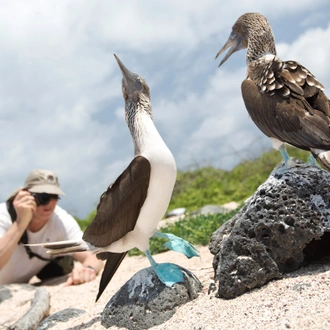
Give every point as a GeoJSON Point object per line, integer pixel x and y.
{"type": "Point", "coordinates": [131, 208]}
{"type": "Point", "coordinates": [283, 98]}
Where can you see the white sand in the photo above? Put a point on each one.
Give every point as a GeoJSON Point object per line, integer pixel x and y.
{"type": "Point", "coordinates": [301, 300]}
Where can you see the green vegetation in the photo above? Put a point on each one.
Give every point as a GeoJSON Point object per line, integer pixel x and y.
{"type": "Point", "coordinates": [197, 230]}
{"type": "Point", "coordinates": [83, 223]}
{"type": "Point", "coordinates": [209, 185]}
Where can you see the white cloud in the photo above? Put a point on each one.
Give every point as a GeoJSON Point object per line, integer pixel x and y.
{"type": "Point", "coordinates": [60, 90]}
{"type": "Point", "coordinates": [311, 50]}
{"type": "Point", "coordinates": [222, 128]}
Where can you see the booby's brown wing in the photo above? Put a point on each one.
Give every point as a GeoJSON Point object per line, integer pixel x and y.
{"type": "Point", "coordinates": [116, 215]}
{"type": "Point", "coordinates": [287, 102]}
{"type": "Point", "coordinates": [120, 205]}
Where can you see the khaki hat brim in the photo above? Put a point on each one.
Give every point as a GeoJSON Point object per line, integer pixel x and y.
{"type": "Point", "coordinates": [48, 189]}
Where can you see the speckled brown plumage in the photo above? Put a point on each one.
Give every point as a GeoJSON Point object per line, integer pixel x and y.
{"type": "Point", "coordinates": [283, 78]}
{"type": "Point", "coordinates": [283, 98]}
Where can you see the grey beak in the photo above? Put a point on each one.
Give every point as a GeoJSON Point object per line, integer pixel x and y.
{"type": "Point", "coordinates": [130, 80]}
{"type": "Point", "coordinates": [235, 42]}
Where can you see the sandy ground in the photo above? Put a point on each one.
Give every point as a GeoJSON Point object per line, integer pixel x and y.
{"type": "Point", "coordinates": [301, 300]}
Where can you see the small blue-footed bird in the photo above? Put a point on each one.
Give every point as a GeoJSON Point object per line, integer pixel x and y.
{"type": "Point", "coordinates": [131, 208]}
{"type": "Point", "coordinates": [283, 98]}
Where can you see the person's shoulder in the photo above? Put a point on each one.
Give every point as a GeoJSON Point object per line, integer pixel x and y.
{"type": "Point", "coordinates": [3, 207]}
{"type": "Point", "coordinates": [5, 219]}
{"type": "Point", "coordinates": [4, 210]}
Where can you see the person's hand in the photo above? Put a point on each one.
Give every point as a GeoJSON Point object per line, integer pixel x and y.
{"type": "Point", "coordinates": [25, 205]}
{"type": "Point", "coordinates": [81, 275]}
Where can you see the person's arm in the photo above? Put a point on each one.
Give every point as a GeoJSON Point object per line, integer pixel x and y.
{"type": "Point", "coordinates": [87, 271]}
{"type": "Point", "coordinates": [24, 205]}
{"type": "Point", "coordinates": [88, 266]}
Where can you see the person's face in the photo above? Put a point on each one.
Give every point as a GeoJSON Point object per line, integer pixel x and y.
{"type": "Point", "coordinates": [42, 214]}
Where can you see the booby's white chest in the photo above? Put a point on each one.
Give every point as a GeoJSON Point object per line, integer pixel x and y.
{"type": "Point", "coordinates": [149, 144]}
{"type": "Point", "coordinates": [162, 179]}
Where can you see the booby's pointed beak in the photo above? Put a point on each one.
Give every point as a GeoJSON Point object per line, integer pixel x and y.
{"type": "Point", "coordinates": [130, 79]}
{"type": "Point", "coordinates": [235, 42]}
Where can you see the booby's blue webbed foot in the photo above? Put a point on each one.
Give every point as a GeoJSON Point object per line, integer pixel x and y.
{"type": "Point", "coordinates": [168, 273]}
{"type": "Point", "coordinates": [178, 244]}
{"type": "Point", "coordinates": [312, 161]}
{"type": "Point", "coordinates": [287, 159]}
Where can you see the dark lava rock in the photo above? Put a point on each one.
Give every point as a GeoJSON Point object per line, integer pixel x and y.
{"type": "Point", "coordinates": [285, 224]}
{"type": "Point", "coordinates": [144, 301]}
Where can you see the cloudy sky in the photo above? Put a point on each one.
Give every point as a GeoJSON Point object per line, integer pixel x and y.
{"type": "Point", "coordinates": [61, 106]}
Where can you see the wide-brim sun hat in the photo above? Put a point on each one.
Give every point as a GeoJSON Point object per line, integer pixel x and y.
{"type": "Point", "coordinates": [40, 181]}
{"type": "Point", "coordinates": [43, 181]}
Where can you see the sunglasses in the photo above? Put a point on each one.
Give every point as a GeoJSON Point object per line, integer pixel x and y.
{"type": "Point", "coordinates": [44, 198]}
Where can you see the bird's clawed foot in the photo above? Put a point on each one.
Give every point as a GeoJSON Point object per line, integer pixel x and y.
{"type": "Point", "coordinates": [178, 244]}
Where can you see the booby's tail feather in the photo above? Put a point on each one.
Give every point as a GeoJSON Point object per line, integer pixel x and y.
{"type": "Point", "coordinates": [111, 266]}
{"type": "Point", "coordinates": [63, 247]}
{"type": "Point", "coordinates": [323, 157]}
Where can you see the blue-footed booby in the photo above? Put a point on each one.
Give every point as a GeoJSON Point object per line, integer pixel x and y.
{"type": "Point", "coordinates": [130, 209]}
{"type": "Point", "coordinates": [283, 98]}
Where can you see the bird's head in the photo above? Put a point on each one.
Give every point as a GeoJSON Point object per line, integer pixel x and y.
{"type": "Point", "coordinates": [134, 87]}
{"type": "Point", "coordinates": [251, 31]}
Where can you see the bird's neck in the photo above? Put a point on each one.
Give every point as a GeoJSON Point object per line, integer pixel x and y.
{"type": "Point", "coordinates": [259, 67]}
{"type": "Point", "coordinates": [260, 43]}
{"type": "Point", "coordinates": [142, 128]}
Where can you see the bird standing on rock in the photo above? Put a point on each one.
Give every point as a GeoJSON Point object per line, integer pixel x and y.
{"type": "Point", "coordinates": [131, 208]}
{"type": "Point", "coordinates": [283, 98]}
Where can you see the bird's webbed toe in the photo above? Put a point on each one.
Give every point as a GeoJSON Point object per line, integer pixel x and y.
{"type": "Point", "coordinates": [178, 244]}
{"type": "Point", "coordinates": [169, 273]}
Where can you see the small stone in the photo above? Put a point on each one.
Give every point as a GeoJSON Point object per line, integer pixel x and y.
{"type": "Point", "coordinates": [212, 209]}
{"type": "Point", "coordinates": [60, 318]}
{"type": "Point", "coordinates": [176, 212]}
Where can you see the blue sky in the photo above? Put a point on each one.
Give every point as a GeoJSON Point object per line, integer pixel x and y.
{"type": "Point", "coordinates": [61, 106]}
